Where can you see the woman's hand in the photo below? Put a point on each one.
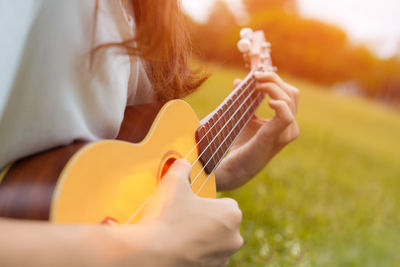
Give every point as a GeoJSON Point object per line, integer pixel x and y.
{"type": "Point", "coordinates": [262, 139]}
{"type": "Point", "coordinates": [184, 229]}
{"type": "Point", "coordinates": [177, 229]}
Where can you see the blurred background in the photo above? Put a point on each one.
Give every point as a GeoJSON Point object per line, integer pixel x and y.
{"type": "Point", "coordinates": [331, 198]}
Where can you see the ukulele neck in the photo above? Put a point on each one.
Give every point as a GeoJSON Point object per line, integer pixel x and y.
{"type": "Point", "coordinates": [219, 130]}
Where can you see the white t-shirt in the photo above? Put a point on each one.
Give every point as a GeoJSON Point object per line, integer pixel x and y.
{"type": "Point", "coordinates": [48, 95]}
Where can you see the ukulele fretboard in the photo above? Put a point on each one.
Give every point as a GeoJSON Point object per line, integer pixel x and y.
{"type": "Point", "coordinates": [220, 129]}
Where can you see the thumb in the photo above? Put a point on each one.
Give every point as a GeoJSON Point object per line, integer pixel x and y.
{"type": "Point", "coordinates": [174, 185]}
{"type": "Point", "coordinates": [177, 177]}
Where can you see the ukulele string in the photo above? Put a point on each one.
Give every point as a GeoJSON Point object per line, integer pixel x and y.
{"type": "Point", "coordinates": [231, 105]}
{"type": "Point", "coordinates": [212, 141]}
{"type": "Point", "coordinates": [136, 212]}
{"type": "Point", "coordinates": [233, 128]}
{"type": "Point", "coordinates": [208, 177]}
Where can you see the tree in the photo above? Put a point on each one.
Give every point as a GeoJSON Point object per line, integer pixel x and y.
{"type": "Point", "coordinates": [260, 5]}
{"type": "Point", "coordinates": [305, 48]}
{"type": "Point", "coordinates": [210, 38]}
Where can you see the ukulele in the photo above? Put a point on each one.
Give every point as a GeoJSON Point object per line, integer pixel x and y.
{"type": "Point", "coordinates": [112, 180]}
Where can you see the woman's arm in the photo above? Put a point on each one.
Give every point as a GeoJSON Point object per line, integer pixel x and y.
{"type": "Point", "coordinates": [32, 243]}
{"type": "Point", "coordinates": [177, 229]}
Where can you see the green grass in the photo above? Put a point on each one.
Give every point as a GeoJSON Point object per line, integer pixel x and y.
{"type": "Point", "coordinates": [332, 197]}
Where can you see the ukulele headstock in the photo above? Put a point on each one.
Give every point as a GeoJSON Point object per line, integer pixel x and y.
{"type": "Point", "coordinates": [255, 49]}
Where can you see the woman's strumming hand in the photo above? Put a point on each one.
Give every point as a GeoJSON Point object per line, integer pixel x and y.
{"type": "Point", "coordinates": [186, 230]}
{"type": "Point", "coordinates": [262, 139]}
{"type": "Point", "coordinates": [176, 229]}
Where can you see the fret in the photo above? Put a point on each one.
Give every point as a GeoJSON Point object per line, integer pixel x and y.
{"type": "Point", "coordinates": [213, 141]}
{"type": "Point", "coordinates": [225, 138]}
{"type": "Point", "coordinates": [248, 88]}
{"type": "Point", "coordinates": [230, 114]}
{"type": "Point", "coordinates": [240, 123]}
{"type": "Point", "coordinates": [208, 162]}
{"type": "Point", "coordinates": [225, 146]}
{"type": "Point", "coordinates": [229, 140]}
{"type": "Point", "coordinates": [243, 105]}
{"type": "Point", "coordinates": [246, 104]}
{"type": "Point", "coordinates": [225, 119]}
{"type": "Point", "coordinates": [220, 136]}
{"type": "Point", "coordinates": [203, 148]}
{"type": "Point", "coordinates": [226, 128]}
{"type": "Point", "coordinates": [236, 115]}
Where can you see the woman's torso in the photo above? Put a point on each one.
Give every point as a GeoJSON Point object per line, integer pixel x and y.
{"type": "Point", "coordinates": [49, 96]}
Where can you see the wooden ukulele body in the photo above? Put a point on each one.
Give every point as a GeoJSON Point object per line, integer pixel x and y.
{"type": "Point", "coordinates": [89, 182]}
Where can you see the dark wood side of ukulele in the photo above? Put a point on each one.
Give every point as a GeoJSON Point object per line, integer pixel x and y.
{"type": "Point", "coordinates": [27, 188]}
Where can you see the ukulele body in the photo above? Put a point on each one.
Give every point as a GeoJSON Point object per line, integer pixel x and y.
{"type": "Point", "coordinates": [111, 178]}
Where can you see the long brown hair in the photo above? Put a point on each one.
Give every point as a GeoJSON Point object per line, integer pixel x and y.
{"type": "Point", "coordinates": [162, 41]}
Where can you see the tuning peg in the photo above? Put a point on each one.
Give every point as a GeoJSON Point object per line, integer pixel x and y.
{"type": "Point", "coordinates": [246, 33]}
{"type": "Point", "coordinates": [244, 45]}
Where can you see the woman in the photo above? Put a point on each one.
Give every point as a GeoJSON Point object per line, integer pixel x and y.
{"type": "Point", "coordinates": [69, 68]}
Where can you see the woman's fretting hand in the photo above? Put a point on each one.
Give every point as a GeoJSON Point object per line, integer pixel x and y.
{"type": "Point", "coordinates": [262, 139]}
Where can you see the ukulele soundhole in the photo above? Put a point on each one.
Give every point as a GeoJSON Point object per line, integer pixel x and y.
{"type": "Point", "coordinates": [169, 158]}
{"type": "Point", "coordinates": [166, 166]}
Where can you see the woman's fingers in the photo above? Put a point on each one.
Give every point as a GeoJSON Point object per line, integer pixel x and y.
{"type": "Point", "coordinates": [277, 93]}
{"type": "Point", "coordinates": [272, 77]}
{"type": "Point", "coordinates": [284, 116]}
{"type": "Point", "coordinates": [271, 83]}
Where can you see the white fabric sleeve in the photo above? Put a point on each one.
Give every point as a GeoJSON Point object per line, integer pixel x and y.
{"type": "Point", "coordinates": [52, 98]}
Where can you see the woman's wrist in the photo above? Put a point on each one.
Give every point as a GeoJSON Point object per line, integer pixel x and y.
{"type": "Point", "coordinates": [229, 180]}
{"type": "Point", "coordinates": [125, 245]}
{"type": "Point", "coordinates": [138, 244]}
